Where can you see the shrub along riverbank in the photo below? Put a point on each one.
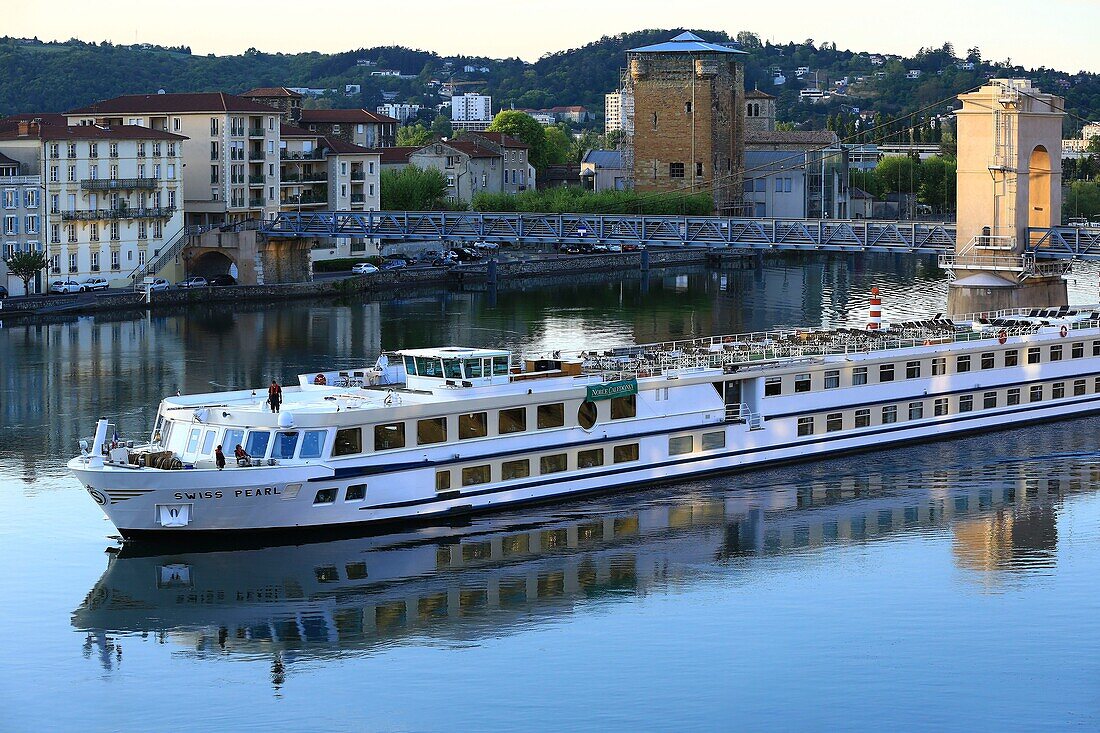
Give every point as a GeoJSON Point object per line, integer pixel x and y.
{"type": "Point", "coordinates": [576, 200]}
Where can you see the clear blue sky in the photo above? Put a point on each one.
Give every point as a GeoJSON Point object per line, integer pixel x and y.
{"type": "Point", "coordinates": [1032, 34]}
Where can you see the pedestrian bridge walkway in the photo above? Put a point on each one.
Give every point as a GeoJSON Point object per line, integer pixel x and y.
{"type": "Point", "coordinates": [690, 231]}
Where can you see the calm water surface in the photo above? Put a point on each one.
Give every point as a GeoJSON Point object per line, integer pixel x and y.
{"type": "Point", "coordinates": [940, 587]}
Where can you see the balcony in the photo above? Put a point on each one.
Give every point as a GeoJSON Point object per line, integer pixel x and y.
{"type": "Point", "coordinates": [256, 155]}
{"type": "Point", "coordinates": [292, 178]}
{"type": "Point", "coordinates": [152, 212]}
{"type": "Point", "coordinates": [358, 176]}
{"type": "Point", "coordinates": [358, 198]}
{"type": "Point", "coordinates": [255, 180]}
{"type": "Point", "coordinates": [117, 184]}
{"type": "Point", "coordinates": [256, 132]}
{"type": "Point", "coordinates": [256, 203]}
{"type": "Point", "coordinates": [306, 199]}
{"type": "Point", "coordinates": [301, 155]}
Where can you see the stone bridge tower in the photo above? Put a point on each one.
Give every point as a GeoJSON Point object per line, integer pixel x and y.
{"type": "Point", "coordinates": [1009, 178]}
{"type": "Point", "coordinates": [689, 118]}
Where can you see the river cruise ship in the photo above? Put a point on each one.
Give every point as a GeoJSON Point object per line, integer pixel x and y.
{"type": "Point", "coordinates": [425, 435]}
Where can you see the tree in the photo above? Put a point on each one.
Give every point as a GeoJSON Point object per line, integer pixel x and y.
{"type": "Point", "coordinates": [1083, 200]}
{"type": "Point", "coordinates": [974, 55]}
{"type": "Point", "coordinates": [413, 189]}
{"type": "Point", "coordinates": [441, 126]}
{"type": "Point", "coordinates": [413, 136]}
{"type": "Point", "coordinates": [25, 265]}
{"type": "Point", "coordinates": [525, 128]}
{"type": "Point", "coordinates": [898, 173]}
{"type": "Point", "coordinates": [937, 184]}
{"type": "Point", "coordinates": [559, 146]}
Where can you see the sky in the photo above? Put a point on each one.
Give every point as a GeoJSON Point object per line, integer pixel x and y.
{"type": "Point", "coordinates": [1031, 34]}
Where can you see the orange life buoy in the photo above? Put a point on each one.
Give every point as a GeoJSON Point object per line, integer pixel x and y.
{"type": "Point", "coordinates": [1002, 337]}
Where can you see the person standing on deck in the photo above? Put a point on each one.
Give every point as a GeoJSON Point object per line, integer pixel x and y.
{"type": "Point", "coordinates": [274, 395]}
{"type": "Point", "coordinates": [219, 458]}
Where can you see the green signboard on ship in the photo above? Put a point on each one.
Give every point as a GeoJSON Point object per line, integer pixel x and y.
{"type": "Point", "coordinates": [607, 390]}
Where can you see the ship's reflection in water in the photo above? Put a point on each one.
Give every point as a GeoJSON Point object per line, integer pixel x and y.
{"type": "Point", "coordinates": [509, 571]}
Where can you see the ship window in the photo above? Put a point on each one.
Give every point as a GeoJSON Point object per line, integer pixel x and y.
{"type": "Point", "coordinates": [452, 368]}
{"type": "Point", "coordinates": [1012, 357]}
{"type": "Point", "coordinates": [555, 463]}
{"type": "Point", "coordinates": [940, 407]}
{"type": "Point", "coordinates": [834, 421]}
{"type": "Point", "coordinates": [285, 443]}
{"type": "Point", "coordinates": [966, 403]}
{"type": "Point", "coordinates": [313, 442]}
{"type": "Point", "coordinates": [962, 364]}
{"type": "Point", "coordinates": [1058, 390]}
{"type": "Point", "coordinates": [325, 496]}
{"type": "Point", "coordinates": [889, 414]}
{"type": "Point", "coordinates": [1096, 348]}
{"type": "Point", "coordinates": [802, 383]}
{"type": "Point", "coordinates": [625, 453]}
{"type": "Point", "coordinates": [208, 442]}
{"type": "Point", "coordinates": [1037, 393]}
{"type": "Point", "coordinates": [1078, 387]}
{"type": "Point", "coordinates": [193, 440]}
{"type": "Point", "coordinates": [886, 372]}
{"type": "Point", "coordinates": [473, 425]}
{"type": "Point", "coordinates": [428, 367]}
{"type": "Point", "coordinates": [680, 444]}
{"type": "Point", "coordinates": [624, 407]}
{"type": "Point", "coordinates": [773, 386]}
{"type": "Point", "coordinates": [512, 420]}
{"type": "Point", "coordinates": [989, 400]}
{"type": "Point", "coordinates": [442, 480]}
{"type": "Point", "coordinates": [256, 446]}
{"type": "Point", "coordinates": [912, 370]}
{"type": "Point", "coordinates": [1077, 350]}
{"type": "Point", "coordinates": [805, 426]}
{"type": "Point", "coordinates": [939, 365]}
{"type": "Point", "coordinates": [1033, 355]}
{"type": "Point", "coordinates": [586, 415]}
{"type": "Point", "coordinates": [859, 376]}
{"type": "Point", "coordinates": [356, 492]}
{"type": "Point", "coordinates": [590, 458]}
{"type": "Point", "coordinates": [1013, 396]}
{"type": "Point", "coordinates": [988, 361]}
{"type": "Point", "coordinates": [714, 441]}
{"type": "Point", "coordinates": [428, 431]}
{"type": "Point", "coordinates": [515, 469]}
{"type": "Point", "coordinates": [500, 366]}
{"type": "Point", "coordinates": [863, 418]}
{"type": "Point", "coordinates": [473, 368]}
{"type": "Point", "coordinates": [1096, 385]}
{"type": "Point", "coordinates": [916, 410]}
{"type": "Point", "coordinates": [389, 436]}
{"type": "Point", "coordinates": [832, 379]}
{"type": "Point", "coordinates": [1055, 353]}
{"type": "Point", "coordinates": [410, 366]}
{"type": "Point", "coordinates": [473, 475]}
{"type": "Point", "coordinates": [348, 441]}
{"type": "Point", "coordinates": [231, 439]}
{"type": "Point", "coordinates": [551, 416]}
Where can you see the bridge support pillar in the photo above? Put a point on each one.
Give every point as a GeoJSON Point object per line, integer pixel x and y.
{"type": "Point", "coordinates": [982, 291]}
{"type": "Point", "coordinates": [1009, 179]}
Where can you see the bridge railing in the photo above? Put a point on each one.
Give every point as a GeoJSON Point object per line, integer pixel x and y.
{"type": "Point", "coordinates": [705, 231]}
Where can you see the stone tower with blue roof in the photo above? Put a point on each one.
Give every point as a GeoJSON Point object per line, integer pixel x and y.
{"type": "Point", "coordinates": [689, 118]}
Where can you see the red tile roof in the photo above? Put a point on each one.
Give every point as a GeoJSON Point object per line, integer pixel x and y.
{"type": "Point", "coordinates": [757, 94]}
{"type": "Point", "coordinates": [87, 132]}
{"type": "Point", "coordinates": [394, 156]}
{"type": "Point", "coordinates": [159, 103]}
{"type": "Point", "coordinates": [471, 147]}
{"type": "Point", "coordinates": [343, 115]}
{"type": "Point", "coordinates": [337, 145]}
{"type": "Point", "coordinates": [271, 92]}
{"type": "Point", "coordinates": [51, 118]}
{"type": "Point", "coordinates": [287, 130]}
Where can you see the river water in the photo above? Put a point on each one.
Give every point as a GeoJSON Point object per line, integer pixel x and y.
{"type": "Point", "coordinates": [938, 587]}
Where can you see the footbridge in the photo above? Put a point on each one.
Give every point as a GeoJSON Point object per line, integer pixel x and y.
{"type": "Point", "coordinates": [825, 235]}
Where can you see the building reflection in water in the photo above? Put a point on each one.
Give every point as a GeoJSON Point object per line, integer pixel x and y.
{"type": "Point", "coordinates": [348, 596]}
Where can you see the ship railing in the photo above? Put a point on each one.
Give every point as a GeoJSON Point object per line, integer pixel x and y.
{"type": "Point", "coordinates": [740, 413]}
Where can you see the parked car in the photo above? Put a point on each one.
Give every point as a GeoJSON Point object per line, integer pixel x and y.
{"type": "Point", "coordinates": [363, 268]}
{"type": "Point", "coordinates": [569, 249]}
{"type": "Point", "coordinates": [463, 254]}
{"type": "Point", "coordinates": [94, 283]}
{"type": "Point", "coordinates": [221, 280]}
{"type": "Point", "coordinates": [486, 246]}
{"type": "Point", "coordinates": [193, 282]}
{"type": "Point", "coordinates": [633, 247]}
{"type": "Point", "coordinates": [395, 264]}
{"type": "Point", "coordinates": [3, 292]}
{"type": "Point", "coordinates": [598, 248]}
{"type": "Point", "coordinates": [159, 284]}
{"type": "Point", "coordinates": [65, 286]}
{"type": "Point", "coordinates": [614, 248]}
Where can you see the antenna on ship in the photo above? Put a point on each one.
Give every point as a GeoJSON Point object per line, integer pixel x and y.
{"type": "Point", "coordinates": [874, 319]}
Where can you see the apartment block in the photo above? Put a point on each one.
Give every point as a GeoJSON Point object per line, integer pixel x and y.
{"type": "Point", "coordinates": [471, 112]}
{"type": "Point", "coordinates": [110, 195]}
{"type": "Point", "coordinates": [618, 112]}
{"type": "Point", "coordinates": [478, 163]}
{"type": "Point", "coordinates": [356, 126]}
{"type": "Point", "coordinates": [21, 199]}
{"type": "Point", "coordinates": [231, 156]}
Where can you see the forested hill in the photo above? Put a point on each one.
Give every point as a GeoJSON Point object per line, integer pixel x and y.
{"type": "Point", "coordinates": [53, 77]}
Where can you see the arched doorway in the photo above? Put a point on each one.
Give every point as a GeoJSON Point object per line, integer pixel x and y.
{"type": "Point", "coordinates": [212, 264]}
{"type": "Point", "coordinates": [1039, 180]}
